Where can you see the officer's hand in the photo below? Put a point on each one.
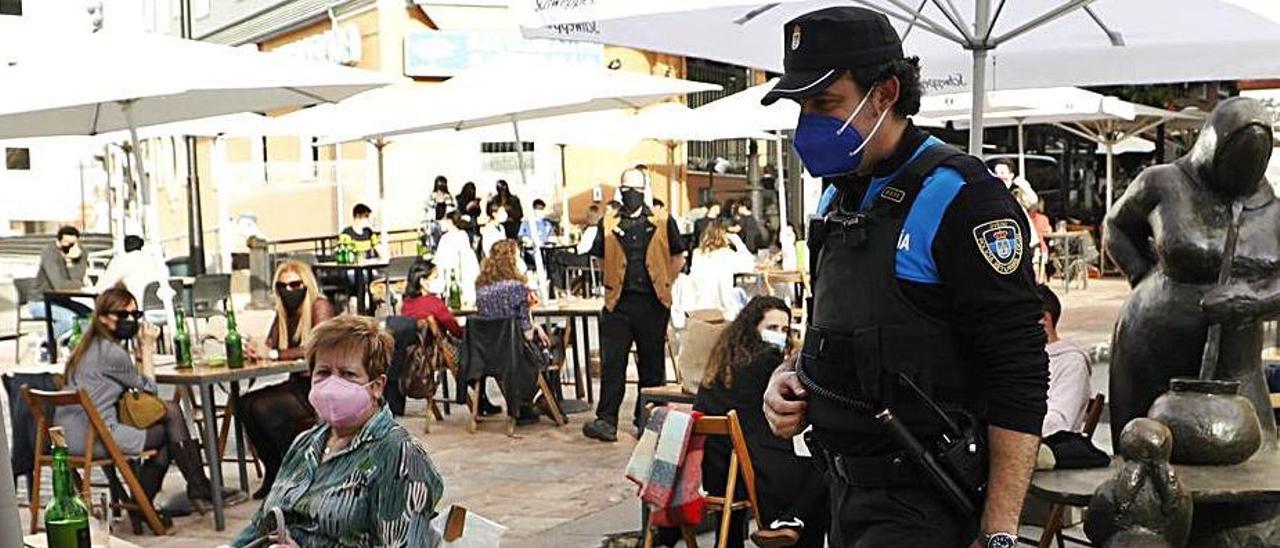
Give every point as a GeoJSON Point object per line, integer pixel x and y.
{"type": "Point", "coordinates": [784, 402]}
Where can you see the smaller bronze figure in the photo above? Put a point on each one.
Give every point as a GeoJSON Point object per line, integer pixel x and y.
{"type": "Point", "coordinates": [1145, 494]}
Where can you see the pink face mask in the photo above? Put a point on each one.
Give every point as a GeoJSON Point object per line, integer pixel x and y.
{"type": "Point", "coordinates": [340, 402]}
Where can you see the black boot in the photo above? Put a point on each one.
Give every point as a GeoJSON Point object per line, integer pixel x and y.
{"type": "Point", "coordinates": [150, 475]}
{"type": "Point", "coordinates": [199, 491]}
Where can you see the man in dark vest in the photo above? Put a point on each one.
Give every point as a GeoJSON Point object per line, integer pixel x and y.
{"type": "Point", "coordinates": [925, 319]}
{"type": "Point", "coordinates": [641, 253]}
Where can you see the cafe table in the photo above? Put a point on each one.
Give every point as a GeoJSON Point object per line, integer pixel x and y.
{"type": "Point", "coordinates": [204, 378]}
{"type": "Point", "coordinates": [362, 272]}
{"type": "Point", "coordinates": [572, 310]}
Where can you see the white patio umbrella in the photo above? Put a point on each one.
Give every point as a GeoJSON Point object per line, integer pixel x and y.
{"type": "Point", "coordinates": [963, 44]}
{"type": "Point", "coordinates": [59, 90]}
{"type": "Point", "coordinates": [88, 84]}
{"type": "Point", "coordinates": [510, 94]}
{"type": "Point", "coordinates": [1104, 120]}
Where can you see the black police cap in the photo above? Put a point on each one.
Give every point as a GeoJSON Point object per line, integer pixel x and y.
{"type": "Point", "coordinates": [821, 45]}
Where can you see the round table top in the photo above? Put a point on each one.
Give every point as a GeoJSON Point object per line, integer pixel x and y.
{"type": "Point", "coordinates": [1255, 480]}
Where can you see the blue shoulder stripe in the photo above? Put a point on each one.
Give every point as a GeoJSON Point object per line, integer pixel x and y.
{"type": "Point", "coordinates": [914, 261]}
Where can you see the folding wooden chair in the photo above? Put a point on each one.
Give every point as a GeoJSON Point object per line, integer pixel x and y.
{"type": "Point", "coordinates": [37, 401]}
{"type": "Point", "coordinates": [1058, 512]}
{"type": "Point", "coordinates": [739, 465]}
{"type": "Point", "coordinates": [473, 394]}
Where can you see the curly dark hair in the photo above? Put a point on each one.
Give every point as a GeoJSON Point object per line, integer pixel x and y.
{"type": "Point", "coordinates": [740, 342]}
{"type": "Point", "coordinates": [907, 71]}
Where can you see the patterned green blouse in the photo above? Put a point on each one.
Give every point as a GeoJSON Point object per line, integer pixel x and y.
{"type": "Point", "coordinates": [381, 490]}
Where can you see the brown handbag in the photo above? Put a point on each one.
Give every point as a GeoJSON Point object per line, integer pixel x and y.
{"type": "Point", "coordinates": [140, 409]}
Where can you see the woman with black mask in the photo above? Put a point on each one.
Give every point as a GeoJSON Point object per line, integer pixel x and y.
{"type": "Point", "coordinates": [515, 212]}
{"type": "Point", "coordinates": [113, 353]}
{"type": "Point", "coordinates": [440, 201]}
{"type": "Point", "coordinates": [274, 415]}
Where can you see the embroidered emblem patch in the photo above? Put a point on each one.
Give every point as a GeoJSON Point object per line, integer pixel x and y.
{"type": "Point", "coordinates": [1000, 242]}
{"type": "Point", "coordinates": [795, 38]}
{"type": "Point", "coordinates": [894, 195]}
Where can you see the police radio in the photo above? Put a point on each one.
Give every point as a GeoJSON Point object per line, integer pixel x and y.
{"type": "Point", "coordinates": [956, 463]}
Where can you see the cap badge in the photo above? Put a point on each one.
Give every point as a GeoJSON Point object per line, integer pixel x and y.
{"type": "Point", "coordinates": [795, 38]}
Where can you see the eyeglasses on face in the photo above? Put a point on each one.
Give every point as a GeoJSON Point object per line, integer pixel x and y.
{"type": "Point", "coordinates": [122, 314]}
{"type": "Point", "coordinates": [294, 285]}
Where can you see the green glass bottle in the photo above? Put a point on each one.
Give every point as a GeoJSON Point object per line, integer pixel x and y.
{"type": "Point", "coordinates": [235, 348]}
{"type": "Point", "coordinates": [66, 518]}
{"type": "Point", "coordinates": [455, 292]}
{"type": "Point", "coordinates": [181, 340]}
{"type": "Point", "coordinates": [76, 334]}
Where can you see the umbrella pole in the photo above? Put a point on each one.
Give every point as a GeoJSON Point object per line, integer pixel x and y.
{"type": "Point", "coordinates": [564, 192]}
{"type": "Point", "coordinates": [533, 230]}
{"type": "Point", "coordinates": [781, 184]}
{"type": "Point", "coordinates": [982, 23]}
{"type": "Point", "coordinates": [144, 186]}
{"type": "Point", "coordinates": [385, 246]}
{"type": "Point", "coordinates": [1022, 152]}
{"type": "Point", "coordinates": [673, 184]}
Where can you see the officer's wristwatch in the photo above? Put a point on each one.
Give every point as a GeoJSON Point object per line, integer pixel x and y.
{"type": "Point", "coordinates": [1000, 540]}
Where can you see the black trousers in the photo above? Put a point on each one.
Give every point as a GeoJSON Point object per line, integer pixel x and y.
{"type": "Point", "coordinates": [638, 318]}
{"type": "Point", "coordinates": [896, 516]}
{"type": "Point", "coordinates": [272, 416]}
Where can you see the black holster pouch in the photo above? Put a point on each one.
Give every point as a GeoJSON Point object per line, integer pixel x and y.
{"type": "Point", "coordinates": [965, 457]}
{"type": "Point", "coordinates": [961, 450]}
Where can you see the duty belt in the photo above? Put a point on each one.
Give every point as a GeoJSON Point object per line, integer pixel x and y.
{"type": "Point", "coordinates": [878, 471]}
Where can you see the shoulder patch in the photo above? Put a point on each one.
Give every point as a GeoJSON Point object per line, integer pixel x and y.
{"type": "Point", "coordinates": [1000, 242]}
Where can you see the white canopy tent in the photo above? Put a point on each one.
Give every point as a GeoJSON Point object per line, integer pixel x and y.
{"type": "Point", "coordinates": [963, 44]}
{"type": "Point", "coordinates": [486, 97]}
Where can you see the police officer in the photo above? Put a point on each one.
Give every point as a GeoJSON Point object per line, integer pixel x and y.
{"type": "Point", "coordinates": [922, 294]}
{"type": "Point", "coordinates": [640, 253]}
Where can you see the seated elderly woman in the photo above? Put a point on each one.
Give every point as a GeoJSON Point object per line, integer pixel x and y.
{"type": "Point", "coordinates": [357, 478]}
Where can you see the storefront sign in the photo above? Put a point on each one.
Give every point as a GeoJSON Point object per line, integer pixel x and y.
{"type": "Point", "coordinates": [448, 53]}
{"type": "Point", "coordinates": [339, 45]}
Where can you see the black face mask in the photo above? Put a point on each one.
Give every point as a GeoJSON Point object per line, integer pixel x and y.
{"type": "Point", "coordinates": [632, 199]}
{"type": "Point", "coordinates": [126, 328]}
{"type": "Point", "coordinates": [1241, 160]}
{"type": "Point", "coordinates": [66, 248]}
{"type": "Point", "coordinates": [292, 298]}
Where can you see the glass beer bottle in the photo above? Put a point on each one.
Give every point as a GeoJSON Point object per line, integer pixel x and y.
{"type": "Point", "coordinates": [235, 347]}
{"type": "Point", "coordinates": [66, 518]}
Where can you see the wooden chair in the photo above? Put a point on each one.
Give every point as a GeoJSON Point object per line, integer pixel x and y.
{"type": "Point", "coordinates": [739, 466]}
{"type": "Point", "coordinates": [38, 401]}
{"type": "Point", "coordinates": [430, 328]}
{"type": "Point", "coordinates": [473, 394]}
{"type": "Point", "coordinates": [1057, 512]}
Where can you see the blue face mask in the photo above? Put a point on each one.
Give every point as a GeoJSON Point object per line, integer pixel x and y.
{"type": "Point", "coordinates": [829, 146]}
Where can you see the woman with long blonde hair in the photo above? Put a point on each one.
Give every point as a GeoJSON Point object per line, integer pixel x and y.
{"type": "Point", "coordinates": [274, 415]}
{"type": "Point", "coordinates": [718, 257]}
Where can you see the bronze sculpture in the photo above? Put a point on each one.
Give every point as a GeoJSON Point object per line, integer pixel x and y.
{"type": "Point", "coordinates": [1145, 498]}
{"type": "Point", "coordinates": [1167, 233]}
